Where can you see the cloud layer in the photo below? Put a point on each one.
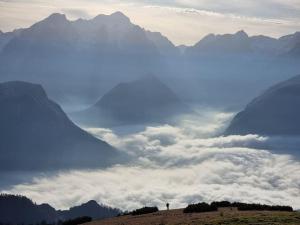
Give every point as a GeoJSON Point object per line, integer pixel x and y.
{"type": "Point", "coordinates": [178, 164]}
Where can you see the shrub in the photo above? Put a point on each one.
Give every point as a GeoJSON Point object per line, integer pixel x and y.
{"type": "Point", "coordinates": [199, 207]}
{"type": "Point", "coordinates": [76, 221]}
{"type": "Point", "coordinates": [204, 207]}
{"type": "Point", "coordinates": [144, 210]}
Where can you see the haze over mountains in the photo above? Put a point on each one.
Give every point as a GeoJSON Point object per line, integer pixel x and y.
{"type": "Point", "coordinates": [146, 100]}
{"type": "Point", "coordinates": [37, 135]}
{"type": "Point", "coordinates": [78, 61]}
{"type": "Point", "coordinates": [21, 210]}
{"type": "Point", "coordinates": [241, 43]}
{"type": "Point", "coordinates": [275, 112]}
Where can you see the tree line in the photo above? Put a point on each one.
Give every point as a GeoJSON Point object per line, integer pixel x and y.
{"type": "Point", "coordinates": [205, 207]}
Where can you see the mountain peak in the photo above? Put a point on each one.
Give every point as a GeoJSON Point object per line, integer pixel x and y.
{"type": "Point", "coordinates": [242, 34]}
{"type": "Point", "coordinates": [119, 16]}
{"type": "Point", "coordinates": [19, 88]}
{"type": "Point", "coordinates": [91, 203]}
{"type": "Point", "coordinates": [56, 18]}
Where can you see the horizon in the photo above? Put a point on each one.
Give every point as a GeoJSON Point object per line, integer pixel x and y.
{"type": "Point", "coordinates": [216, 34]}
{"type": "Point", "coordinates": [194, 19]}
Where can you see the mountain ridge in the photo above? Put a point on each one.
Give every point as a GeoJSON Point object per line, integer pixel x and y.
{"type": "Point", "coordinates": [41, 136]}
{"type": "Point", "coordinates": [145, 100]}
{"type": "Point", "coordinates": [274, 112]}
{"type": "Point", "coordinates": [17, 209]}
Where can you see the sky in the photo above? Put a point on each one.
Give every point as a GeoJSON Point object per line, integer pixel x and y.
{"type": "Point", "coordinates": [182, 21]}
{"type": "Point", "coordinates": [180, 164]}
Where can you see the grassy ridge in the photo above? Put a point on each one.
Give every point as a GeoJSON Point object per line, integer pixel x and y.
{"type": "Point", "coordinates": [177, 217]}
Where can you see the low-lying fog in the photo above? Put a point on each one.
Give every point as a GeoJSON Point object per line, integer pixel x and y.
{"type": "Point", "coordinates": [180, 164]}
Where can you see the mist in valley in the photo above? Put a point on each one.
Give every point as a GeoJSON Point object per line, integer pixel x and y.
{"type": "Point", "coordinates": [102, 108]}
{"type": "Point", "coordinates": [182, 163]}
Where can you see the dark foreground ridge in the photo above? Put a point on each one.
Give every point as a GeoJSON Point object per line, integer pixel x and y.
{"type": "Point", "coordinates": [16, 209]}
{"type": "Point", "coordinates": [177, 217]}
{"type": "Point", "coordinates": [214, 206]}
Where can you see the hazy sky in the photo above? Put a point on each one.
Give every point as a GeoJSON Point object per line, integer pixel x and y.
{"type": "Point", "coordinates": [182, 21]}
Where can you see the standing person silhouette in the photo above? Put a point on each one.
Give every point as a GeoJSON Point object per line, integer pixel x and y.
{"type": "Point", "coordinates": [168, 205]}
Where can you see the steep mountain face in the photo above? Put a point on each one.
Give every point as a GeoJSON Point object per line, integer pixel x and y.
{"type": "Point", "coordinates": [55, 50]}
{"type": "Point", "coordinates": [275, 112]}
{"type": "Point", "coordinates": [21, 210]}
{"type": "Point", "coordinates": [142, 101]}
{"type": "Point", "coordinates": [36, 134]}
{"type": "Point", "coordinates": [163, 44]}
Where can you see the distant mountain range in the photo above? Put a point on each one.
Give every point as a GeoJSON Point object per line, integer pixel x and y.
{"type": "Point", "coordinates": [16, 209]}
{"type": "Point", "coordinates": [146, 100]}
{"type": "Point", "coordinates": [78, 61]}
{"type": "Point", "coordinates": [36, 134]}
{"type": "Point", "coordinates": [275, 112]}
{"type": "Point", "coordinates": [55, 50]}
{"type": "Point", "coordinates": [240, 43]}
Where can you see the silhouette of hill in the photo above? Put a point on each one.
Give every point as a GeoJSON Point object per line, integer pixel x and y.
{"type": "Point", "coordinates": [15, 209]}
{"type": "Point", "coordinates": [36, 134]}
{"type": "Point", "coordinates": [275, 112]}
{"type": "Point", "coordinates": [146, 100]}
{"type": "Point", "coordinates": [91, 209]}
{"type": "Point", "coordinates": [78, 61]}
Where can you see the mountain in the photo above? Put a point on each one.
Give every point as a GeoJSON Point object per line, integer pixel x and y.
{"type": "Point", "coordinates": [56, 50]}
{"type": "Point", "coordinates": [16, 209]}
{"type": "Point", "coordinates": [78, 61]}
{"type": "Point", "coordinates": [275, 112]}
{"type": "Point", "coordinates": [146, 100]}
{"type": "Point", "coordinates": [7, 37]}
{"type": "Point", "coordinates": [163, 44]}
{"type": "Point", "coordinates": [36, 133]}
{"type": "Point", "coordinates": [227, 43]}
{"type": "Point", "coordinates": [21, 210]}
{"type": "Point", "coordinates": [91, 209]}
{"type": "Point", "coordinates": [241, 43]}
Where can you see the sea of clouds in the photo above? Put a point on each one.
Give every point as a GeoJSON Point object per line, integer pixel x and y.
{"type": "Point", "coordinates": [183, 163]}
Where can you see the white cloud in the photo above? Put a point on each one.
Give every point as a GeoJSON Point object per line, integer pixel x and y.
{"type": "Point", "coordinates": [178, 165]}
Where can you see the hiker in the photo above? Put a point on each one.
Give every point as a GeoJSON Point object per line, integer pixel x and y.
{"type": "Point", "coordinates": [167, 205]}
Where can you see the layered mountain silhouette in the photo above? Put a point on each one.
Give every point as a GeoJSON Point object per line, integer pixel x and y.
{"type": "Point", "coordinates": [78, 61]}
{"type": "Point", "coordinates": [146, 100]}
{"type": "Point", "coordinates": [275, 112]}
{"type": "Point", "coordinates": [16, 209]}
{"type": "Point", "coordinates": [37, 134]}
{"type": "Point", "coordinates": [91, 209]}
{"type": "Point", "coordinates": [56, 50]}
{"type": "Point", "coordinates": [240, 43]}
